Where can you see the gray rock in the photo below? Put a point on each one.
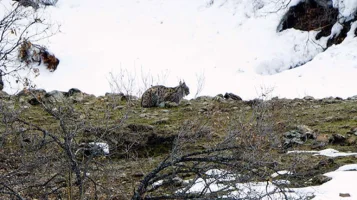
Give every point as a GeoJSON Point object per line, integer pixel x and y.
{"type": "Point", "coordinates": [320, 179]}
{"type": "Point", "coordinates": [77, 97]}
{"type": "Point", "coordinates": [169, 104]}
{"type": "Point", "coordinates": [72, 91]}
{"type": "Point", "coordinates": [143, 115]}
{"type": "Point", "coordinates": [34, 101]}
{"type": "Point", "coordinates": [323, 3]}
{"type": "Point", "coordinates": [352, 98]}
{"type": "Point", "coordinates": [353, 131]}
{"type": "Point", "coordinates": [140, 127]}
{"type": "Point", "coordinates": [344, 195]}
{"type": "Point", "coordinates": [161, 121]}
{"type": "Point", "coordinates": [331, 100]}
{"type": "Point", "coordinates": [337, 139]}
{"type": "Point", "coordinates": [204, 98]}
{"type": "Point", "coordinates": [4, 95]}
{"type": "Point", "coordinates": [309, 98]}
{"type": "Point", "coordinates": [232, 96]}
{"type": "Point", "coordinates": [31, 92]}
{"type": "Point", "coordinates": [298, 136]}
{"type": "Point", "coordinates": [55, 96]}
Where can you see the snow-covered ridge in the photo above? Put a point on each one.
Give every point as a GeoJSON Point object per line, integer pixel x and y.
{"type": "Point", "coordinates": [233, 43]}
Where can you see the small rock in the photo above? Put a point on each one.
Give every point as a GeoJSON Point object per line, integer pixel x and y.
{"type": "Point", "coordinates": [316, 106]}
{"type": "Point", "coordinates": [201, 110]}
{"type": "Point", "coordinates": [188, 109]}
{"type": "Point", "coordinates": [351, 141]}
{"type": "Point", "coordinates": [143, 115]}
{"type": "Point", "coordinates": [55, 96]}
{"type": "Point", "coordinates": [185, 102]}
{"type": "Point", "coordinates": [140, 127]}
{"type": "Point", "coordinates": [337, 139]}
{"type": "Point", "coordinates": [345, 195]}
{"type": "Point", "coordinates": [323, 138]}
{"type": "Point", "coordinates": [119, 107]}
{"type": "Point", "coordinates": [138, 174]}
{"type": "Point", "coordinates": [330, 100]}
{"type": "Point", "coordinates": [34, 101]}
{"type": "Point", "coordinates": [3, 94]}
{"type": "Point", "coordinates": [165, 111]}
{"type": "Point", "coordinates": [232, 96]}
{"type": "Point", "coordinates": [162, 121]}
{"type": "Point", "coordinates": [162, 105]}
{"type": "Point", "coordinates": [320, 179]}
{"type": "Point", "coordinates": [36, 92]}
{"type": "Point", "coordinates": [204, 98]}
{"type": "Point", "coordinates": [72, 91]}
{"type": "Point", "coordinates": [318, 145]}
{"type": "Point", "coordinates": [353, 131]}
{"type": "Point", "coordinates": [218, 98]}
{"type": "Point", "coordinates": [352, 98]}
{"type": "Point", "coordinates": [309, 98]}
{"type": "Point", "coordinates": [247, 108]}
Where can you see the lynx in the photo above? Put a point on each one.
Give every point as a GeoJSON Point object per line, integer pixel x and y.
{"type": "Point", "coordinates": [155, 95]}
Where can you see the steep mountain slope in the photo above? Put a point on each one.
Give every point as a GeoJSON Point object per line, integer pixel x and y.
{"type": "Point", "coordinates": [234, 44]}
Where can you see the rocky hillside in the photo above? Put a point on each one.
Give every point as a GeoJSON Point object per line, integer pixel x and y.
{"type": "Point", "coordinates": [139, 138]}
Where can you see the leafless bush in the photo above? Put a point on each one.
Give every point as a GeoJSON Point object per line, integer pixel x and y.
{"type": "Point", "coordinates": [131, 84]}
{"type": "Point", "coordinates": [201, 80]}
{"type": "Point", "coordinates": [35, 4]}
{"type": "Point", "coordinates": [42, 161]}
{"type": "Point", "coordinates": [229, 166]}
{"type": "Point", "coordinates": [19, 26]}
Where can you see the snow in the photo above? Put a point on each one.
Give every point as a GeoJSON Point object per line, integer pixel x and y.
{"type": "Point", "coordinates": [283, 172]}
{"type": "Point", "coordinates": [234, 44]}
{"type": "Point", "coordinates": [102, 145]}
{"type": "Point", "coordinates": [326, 152]}
{"type": "Point", "coordinates": [346, 8]}
{"type": "Point", "coordinates": [344, 180]}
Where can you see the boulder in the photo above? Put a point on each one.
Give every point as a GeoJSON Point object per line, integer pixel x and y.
{"type": "Point", "coordinates": [33, 92]}
{"type": "Point", "coordinates": [320, 179]}
{"type": "Point", "coordinates": [34, 101]}
{"type": "Point", "coordinates": [352, 98]}
{"type": "Point", "coordinates": [309, 98]}
{"type": "Point", "coordinates": [140, 127]}
{"type": "Point", "coordinates": [55, 96]}
{"type": "Point", "coordinates": [3, 95]}
{"type": "Point", "coordinates": [353, 131]}
{"type": "Point", "coordinates": [298, 136]}
{"type": "Point", "coordinates": [337, 139]}
{"type": "Point", "coordinates": [72, 91]}
{"type": "Point", "coordinates": [232, 96]}
{"type": "Point", "coordinates": [93, 149]}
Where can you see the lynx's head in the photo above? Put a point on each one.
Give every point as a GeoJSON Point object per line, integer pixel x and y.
{"type": "Point", "coordinates": [184, 88]}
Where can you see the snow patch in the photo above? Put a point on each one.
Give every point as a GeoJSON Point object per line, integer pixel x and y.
{"type": "Point", "coordinates": [325, 152]}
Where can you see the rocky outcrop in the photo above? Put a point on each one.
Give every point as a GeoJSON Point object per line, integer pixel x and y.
{"type": "Point", "coordinates": [298, 136]}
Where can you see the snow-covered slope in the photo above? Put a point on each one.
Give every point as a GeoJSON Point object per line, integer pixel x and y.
{"type": "Point", "coordinates": [234, 45]}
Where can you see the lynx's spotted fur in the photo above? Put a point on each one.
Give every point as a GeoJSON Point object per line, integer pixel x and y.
{"type": "Point", "coordinates": [155, 95]}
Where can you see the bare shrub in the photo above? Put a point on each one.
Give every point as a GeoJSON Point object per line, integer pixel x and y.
{"type": "Point", "coordinates": [19, 29]}
{"type": "Point", "coordinates": [230, 166]}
